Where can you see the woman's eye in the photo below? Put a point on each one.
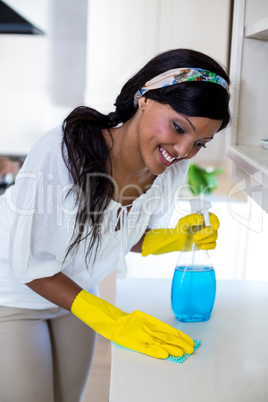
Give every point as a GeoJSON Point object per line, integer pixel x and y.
{"type": "Point", "coordinates": [200, 145]}
{"type": "Point", "coordinates": [178, 129]}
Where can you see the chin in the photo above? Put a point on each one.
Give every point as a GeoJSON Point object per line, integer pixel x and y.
{"type": "Point", "coordinates": [157, 170]}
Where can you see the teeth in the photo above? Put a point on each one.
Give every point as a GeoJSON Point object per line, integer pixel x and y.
{"type": "Point", "coordinates": [166, 155]}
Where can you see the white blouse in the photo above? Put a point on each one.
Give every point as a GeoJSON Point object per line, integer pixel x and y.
{"type": "Point", "coordinates": [37, 222]}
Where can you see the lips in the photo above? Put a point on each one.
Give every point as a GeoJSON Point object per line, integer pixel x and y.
{"type": "Point", "coordinates": [166, 158]}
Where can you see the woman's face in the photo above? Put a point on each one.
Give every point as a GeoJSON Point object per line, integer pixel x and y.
{"type": "Point", "coordinates": [166, 137]}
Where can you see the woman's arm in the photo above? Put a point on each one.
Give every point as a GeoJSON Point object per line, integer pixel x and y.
{"type": "Point", "coordinates": [59, 289]}
{"type": "Point", "coordinates": [137, 330]}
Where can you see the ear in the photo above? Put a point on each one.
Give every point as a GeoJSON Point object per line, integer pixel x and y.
{"type": "Point", "coordinates": [142, 102]}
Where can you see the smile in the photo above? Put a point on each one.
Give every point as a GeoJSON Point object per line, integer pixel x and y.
{"type": "Point", "coordinates": [169, 158]}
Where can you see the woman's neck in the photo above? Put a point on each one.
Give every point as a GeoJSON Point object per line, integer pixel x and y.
{"type": "Point", "coordinates": [131, 177]}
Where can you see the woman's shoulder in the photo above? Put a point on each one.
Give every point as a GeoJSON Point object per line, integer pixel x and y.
{"type": "Point", "coordinates": [50, 141]}
{"type": "Point", "coordinates": [47, 147]}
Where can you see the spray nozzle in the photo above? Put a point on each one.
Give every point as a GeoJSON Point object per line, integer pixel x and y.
{"type": "Point", "coordinates": [201, 207]}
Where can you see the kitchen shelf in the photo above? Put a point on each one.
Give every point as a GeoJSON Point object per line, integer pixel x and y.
{"type": "Point", "coordinates": [249, 103]}
{"type": "Point", "coordinates": [258, 30]}
{"type": "Point", "coordinates": [251, 171]}
{"type": "Point", "coordinates": [253, 158]}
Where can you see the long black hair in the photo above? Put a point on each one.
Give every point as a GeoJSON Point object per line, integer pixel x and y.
{"type": "Point", "coordinates": [84, 148]}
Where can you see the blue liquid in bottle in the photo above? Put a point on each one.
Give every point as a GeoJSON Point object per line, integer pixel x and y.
{"type": "Point", "coordinates": [193, 293]}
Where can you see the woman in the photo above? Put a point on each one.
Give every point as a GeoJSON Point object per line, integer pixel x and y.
{"type": "Point", "coordinates": [86, 195]}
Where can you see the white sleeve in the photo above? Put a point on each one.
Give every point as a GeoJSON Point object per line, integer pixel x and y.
{"type": "Point", "coordinates": [39, 235]}
{"type": "Point", "coordinates": [173, 180]}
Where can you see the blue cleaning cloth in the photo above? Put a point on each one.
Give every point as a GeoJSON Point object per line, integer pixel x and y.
{"type": "Point", "coordinates": [171, 358]}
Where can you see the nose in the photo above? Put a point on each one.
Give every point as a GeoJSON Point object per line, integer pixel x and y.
{"type": "Point", "coordinates": [183, 149]}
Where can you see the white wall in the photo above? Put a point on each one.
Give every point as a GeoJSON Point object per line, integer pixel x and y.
{"type": "Point", "coordinates": [121, 37]}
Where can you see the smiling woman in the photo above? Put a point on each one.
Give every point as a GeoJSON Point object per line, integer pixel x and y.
{"type": "Point", "coordinates": [172, 135]}
{"type": "Point", "coordinates": [88, 193]}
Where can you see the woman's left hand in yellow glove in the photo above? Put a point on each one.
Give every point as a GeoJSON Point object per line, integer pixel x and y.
{"type": "Point", "coordinates": [160, 241]}
{"type": "Point", "coordinates": [137, 330]}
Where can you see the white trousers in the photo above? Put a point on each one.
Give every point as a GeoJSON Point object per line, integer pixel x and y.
{"type": "Point", "coordinates": [45, 355]}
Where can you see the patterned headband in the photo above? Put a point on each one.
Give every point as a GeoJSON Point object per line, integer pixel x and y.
{"type": "Point", "coordinates": [177, 75]}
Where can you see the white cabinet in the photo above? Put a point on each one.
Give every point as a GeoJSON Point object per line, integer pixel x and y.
{"type": "Point", "coordinates": [249, 104]}
{"type": "Point", "coordinates": [124, 34]}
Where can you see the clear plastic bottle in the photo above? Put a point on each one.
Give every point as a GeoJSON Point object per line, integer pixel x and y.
{"type": "Point", "coordinates": [194, 283]}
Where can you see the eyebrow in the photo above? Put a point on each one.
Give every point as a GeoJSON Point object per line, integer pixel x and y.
{"type": "Point", "coordinates": [193, 127]}
{"type": "Point", "coordinates": [191, 124]}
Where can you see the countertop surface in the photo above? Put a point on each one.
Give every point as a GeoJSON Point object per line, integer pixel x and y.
{"type": "Point", "coordinates": [230, 365]}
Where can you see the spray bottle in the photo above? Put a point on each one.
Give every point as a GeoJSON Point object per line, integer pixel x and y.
{"type": "Point", "coordinates": [194, 283]}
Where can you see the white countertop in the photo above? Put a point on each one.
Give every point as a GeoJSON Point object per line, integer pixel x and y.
{"type": "Point", "coordinates": [230, 366]}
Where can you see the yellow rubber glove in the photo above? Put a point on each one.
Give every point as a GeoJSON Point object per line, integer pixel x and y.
{"type": "Point", "coordinates": [160, 241]}
{"type": "Point", "coordinates": [137, 330]}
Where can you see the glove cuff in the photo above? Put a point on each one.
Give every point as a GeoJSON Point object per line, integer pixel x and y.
{"type": "Point", "coordinates": [97, 313]}
{"type": "Point", "coordinates": [81, 303]}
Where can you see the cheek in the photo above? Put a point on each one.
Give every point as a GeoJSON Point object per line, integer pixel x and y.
{"type": "Point", "coordinates": [149, 127]}
{"type": "Point", "coordinates": [155, 124]}
{"type": "Point", "coordinates": [158, 128]}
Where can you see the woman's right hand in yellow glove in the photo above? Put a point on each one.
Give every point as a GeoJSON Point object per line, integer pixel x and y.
{"type": "Point", "coordinates": [189, 228]}
{"type": "Point", "coordinates": [137, 330]}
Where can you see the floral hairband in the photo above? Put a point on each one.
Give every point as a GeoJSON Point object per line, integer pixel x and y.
{"type": "Point", "coordinates": [178, 75]}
